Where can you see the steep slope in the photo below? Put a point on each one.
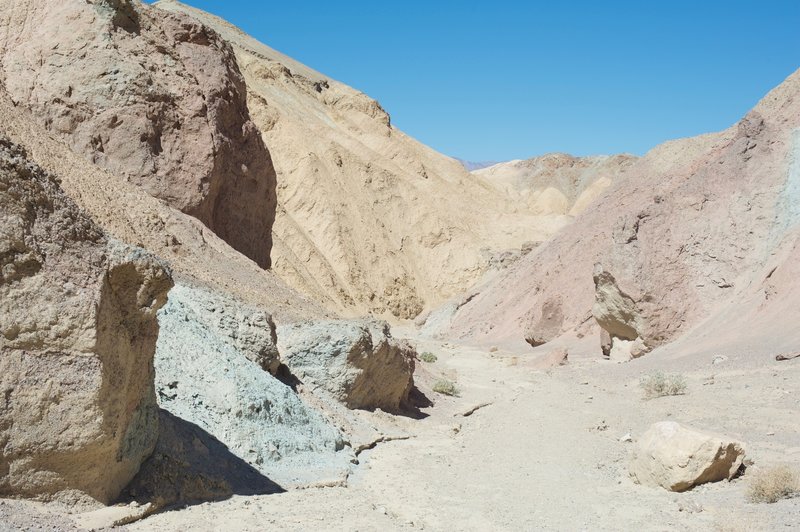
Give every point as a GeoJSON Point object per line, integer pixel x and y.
{"type": "Point", "coordinates": [368, 218]}
{"type": "Point", "coordinates": [154, 97]}
{"type": "Point", "coordinates": [700, 228]}
{"type": "Point", "coordinates": [556, 183]}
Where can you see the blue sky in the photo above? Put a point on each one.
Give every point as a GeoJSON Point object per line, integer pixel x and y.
{"type": "Point", "coordinates": [510, 79]}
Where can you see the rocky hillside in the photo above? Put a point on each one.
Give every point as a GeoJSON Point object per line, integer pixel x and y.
{"type": "Point", "coordinates": [201, 238]}
{"type": "Point", "coordinates": [557, 183]}
{"type": "Point", "coordinates": [368, 218]}
{"type": "Point", "coordinates": [75, 303]}
{"type": "Point", "coordinates": [702, 230]}
{"type": "Point", "coordinates": [151, 96]}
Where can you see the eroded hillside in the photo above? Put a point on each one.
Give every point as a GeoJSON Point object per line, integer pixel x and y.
{"type": "Point", "coordinates": [368, 218]}
{"type": "Point", "coordinates": [697, 229]}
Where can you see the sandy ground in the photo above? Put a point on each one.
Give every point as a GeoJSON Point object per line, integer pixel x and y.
{"type": "Point", "coordinates": [544, 453]}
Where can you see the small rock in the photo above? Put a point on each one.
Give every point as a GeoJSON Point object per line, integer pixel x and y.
{"type": "Point", "coordinates": [719, 359]}
{"type": "Point", "coordinates": [627, 438]}
{"type": "Point", "coordinates": [555, 358]}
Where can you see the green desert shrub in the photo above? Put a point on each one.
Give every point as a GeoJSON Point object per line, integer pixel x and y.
{"type": "Point", "coordinates": [429, 357]}
{"type": "Point", "coordinates": [661, 384]}
{"type": "Point", "coordinates": [445, 387]}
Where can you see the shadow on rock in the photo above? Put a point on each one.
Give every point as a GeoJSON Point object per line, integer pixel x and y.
{"type": "Point", "coordinates": [190, 466]}
{"type": "Point", "coordinates": [285, 375]}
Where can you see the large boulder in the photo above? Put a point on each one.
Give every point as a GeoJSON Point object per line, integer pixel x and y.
{"type": "Point", "coordinates": [357, 361]}
{"type": "Point", "coordinates": [78, 332]}
{"type": "Point", "coordinates": [153, 96]}
{"type": "Point", "coordinates": [619, 318]}
{"type": "Point", "coordinates": [678, 458]}
{"type": "Point", "coordinates": [210, 371]}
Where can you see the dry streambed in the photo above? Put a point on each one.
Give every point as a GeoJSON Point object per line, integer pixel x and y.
{"type": "Point", "coordinates": [544, 449]}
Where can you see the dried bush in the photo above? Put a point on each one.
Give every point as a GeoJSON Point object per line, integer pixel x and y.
{"type": "Point", "coordinates": [428, 357]}
{"type": "Point", "coordinates": [660, 384]}
{"type": "Point", "coordinates": [773, 484]}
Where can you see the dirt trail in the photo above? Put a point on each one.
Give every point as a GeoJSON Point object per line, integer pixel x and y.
{"type": "Point", "coordinates": [545, 453]}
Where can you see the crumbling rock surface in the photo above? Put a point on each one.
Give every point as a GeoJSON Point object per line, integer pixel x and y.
{"type": "Point", "coordinates": [210, 372]}
{"type": "Point", "coordinates": [152, 96]}
{"type": "Point", "coordinates": [78, 324]}
{"type": "Point", "coordinates": [357, 361]}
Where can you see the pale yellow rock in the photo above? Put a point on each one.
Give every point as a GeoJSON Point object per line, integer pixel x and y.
{"type": "Point", "coordinates": [678, 458]}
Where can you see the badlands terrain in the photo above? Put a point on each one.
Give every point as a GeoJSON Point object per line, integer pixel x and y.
{"type": "Point", "coordinates": [233, 296]}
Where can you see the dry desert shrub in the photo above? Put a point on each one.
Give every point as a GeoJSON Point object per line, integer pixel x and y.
{"type": "Point", "coordinates": [773, 484]}
{"type": "Point", "coordinates": [445, 387]}
{"type": "Point", "coordinates": [428, 357]}
{"type": "Point", "coordinates": [660, 384]}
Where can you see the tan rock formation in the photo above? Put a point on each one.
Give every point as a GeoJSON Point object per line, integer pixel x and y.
{"type": "Point", "coordinates": [128, 213]}
{"type": "Point", "coordinates": [152, 96]}
{"type": "Point", "coordinates": [678, 458]}
{"type": "Point", "coordinates": [78, 323]}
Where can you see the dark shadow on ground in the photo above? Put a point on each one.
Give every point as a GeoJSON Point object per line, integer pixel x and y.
{"type": "Point", "coordinates": [190, 466]}
{"type": "Point", "coordinates": [416, 401]}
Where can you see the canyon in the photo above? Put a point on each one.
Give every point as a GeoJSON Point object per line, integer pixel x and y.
{"type": "Point", "coordinates": [233, 295]}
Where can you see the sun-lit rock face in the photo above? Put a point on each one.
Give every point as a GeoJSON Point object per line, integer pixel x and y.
{"type": "Point", "coordinates": [153, 96]}
{"type": "Point", "coordinates": [78, 324]}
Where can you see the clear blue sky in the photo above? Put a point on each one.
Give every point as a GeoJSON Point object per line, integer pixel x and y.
{"type": "Point", "coordinates": [502, 79]}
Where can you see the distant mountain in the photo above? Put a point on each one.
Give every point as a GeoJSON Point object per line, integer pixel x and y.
{"type": "Point", "coordinates": [471, 166]}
